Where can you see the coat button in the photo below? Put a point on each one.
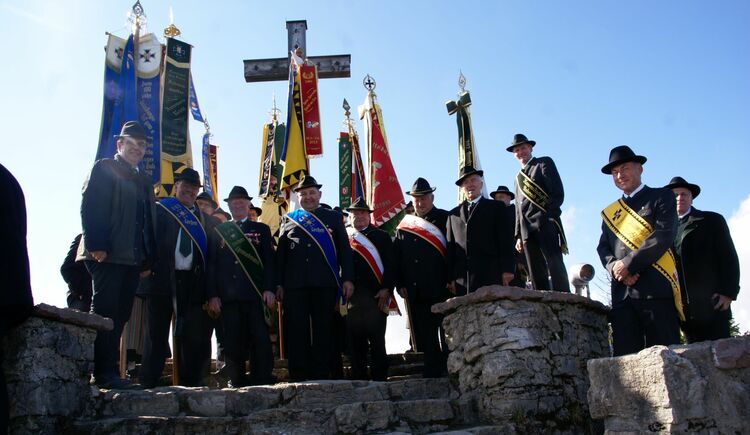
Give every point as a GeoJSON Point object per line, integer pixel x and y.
{"type": "Point", "coordinates": [235, 262]}
{"type": "Point", "coordinates": [309, 245]}
{"type": "Point", "coordinates": [416, 261]}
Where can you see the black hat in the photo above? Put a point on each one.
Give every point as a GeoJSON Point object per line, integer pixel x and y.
{"type": "Point", "coordinates": [190, 175]}
{"type": "Point", "coordinates": [340, 210]}
{"type": "Point", "coordinates": [226, 214]}
{"type": "Point", "coordinates": [519, 139]}
{"type": "Point", "coordinates": [359, 204]}
{"type": "Point", "coordinates": [503, 189]}
{"type": "Point", "coordinates": [466, 171]}
{"type": "Point", "coordinates": [421, 187]}
{"type": "Point", "coordinates": [238, 192]}
{"type": "Point", "coordinates": [205, 196]}
{"type": "Point", "coordinates": [621, 154]}
{"type": "Point", "coordinates": [132, 129]}
{"type": "Point", "coordinates": [305, 182]}
{"type": "Point", "coordinates": [257, 209]}
{"type": "Point", "coordinates": [680, 182]}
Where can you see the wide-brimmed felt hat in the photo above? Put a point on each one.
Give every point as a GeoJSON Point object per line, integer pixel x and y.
{"type": "Point", "coordinates": [680, 182]}
{"type": "Point", "coordinates": [205, 196]}
{"type": "Point", "coordinates": [466, 171]}
{"type": "Point", "coordinates": [132, 129]}
{"type": "Point", "coordinates": [420, 187]}
{"type": "Point", "coordinates": [619, 155]}
{"type": "Point", "coordinates": [359, 204]}
{"type": "Point", "coordinates": [503, 189]}
{"type": "Point", "coordinates": [238, 192]}
{"type": "Point", "coordinates": [519, 139]}
{"type": "Point", "coordinates": [190, 175]}
{"type": "Point", "coordinates": [257, 209]}
{"type": "Point", "coordinates": [340, 210]}
{"type": "Point", "coordinates": [305, 182]}
{"type": "Point", "coordinates": [225, 213]}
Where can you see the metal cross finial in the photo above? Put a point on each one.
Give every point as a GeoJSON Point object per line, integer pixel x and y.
{"type": "Point", "coordinates": [369, 83]}
{"type": "Point", "coordinates": [461, 81]}
{"type": "Point", "coordinates": [137, 17]}
{"type": "Point", "coordinates": [137, 9]}
{"type": "Point", "coordinates": [275, 112]}
{"type": "Point", "coordinates": [346, 107]}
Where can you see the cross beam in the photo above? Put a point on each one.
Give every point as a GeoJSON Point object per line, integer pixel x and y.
{"type": "Point", "coordinates": [277, 69]}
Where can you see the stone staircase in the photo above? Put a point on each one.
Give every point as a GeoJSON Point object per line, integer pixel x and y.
{"type": "Point", "coordinates": [324, 407]}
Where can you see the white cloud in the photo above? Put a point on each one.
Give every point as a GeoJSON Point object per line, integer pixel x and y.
{"type": "Point", "coordinates": [739, 226]}
{"type": "Point", "coordinates": [568, 218]}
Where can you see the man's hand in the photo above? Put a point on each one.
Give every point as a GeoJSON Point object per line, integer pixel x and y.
{"type": "Point", "coordinates": [519, 246]}
{"type": "Point", "coordinates": [384, 296]}
{"type": "Point", "coordinates": [214, 307]}
{"type": "Point", "coordinates": [631, 279]}
{"type": "Point", "coordinates": [402, 292]}
{"type": "Point", "coordinates": [348, 289]}
{"type": "Point", "coordinates": [451, 286]}
{"type": "Point", "coordinates": [145, 273]}
{"type": "Point", "coordinates": [723, 302]}
{"type": "Point", "coordinates": [507, 278]}
{"type": "Point", "coordinates": [99, 256]}
{"type": "Point", "coordinates": [269, 298]}
{"type": "Point", "coordinates": [619, 271]}
{"type": "Point", "coordinates": [279, 293]}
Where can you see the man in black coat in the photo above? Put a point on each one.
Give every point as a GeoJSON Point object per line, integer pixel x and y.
{"type": "Point", "coordinates": [479, 240]}
{"type": "Point", "coordinates": [422, 274]}
{"type": "Point", "coordinates": [16, 301]}
{"type": "Point", "coordinates": [707, 266]}
{"type": "Point", "coordinates": [308, 280]}
{"type": "Point", "coordinates": [539, 233]}
{"type": "Point", "coordinates": [244, 303]}
{"type": "Point", "coordinates": [644, 309]}
{"type": "Point", "coordinates": [118, 242]}
{"type": "Point", "coordinates": [78, 279]}
{"type": "Point", "coordinates": [177, 284]}
{"type": "Point", "coordinates": [373, 283]}
{"type": "Point", "coordinates": [505, 196]}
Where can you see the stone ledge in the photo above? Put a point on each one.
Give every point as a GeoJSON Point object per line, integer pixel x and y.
{"type": "Point", "coordinates": [73, 317]}
{"type": "Point", "coordinates": [496, 292]}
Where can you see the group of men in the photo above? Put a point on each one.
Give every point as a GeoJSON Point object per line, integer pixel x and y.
{"type": "Point", "coordinates": [210, 272]}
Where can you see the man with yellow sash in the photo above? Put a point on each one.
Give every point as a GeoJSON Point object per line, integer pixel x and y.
{"type": "Point", "coordinates": [637, 234]}
{"type": "Point", "coordinates": [177, 284]}
{"type": "Point", "coordinates": [313, 277]}
{"type": "Point", "coordinates": [243, 281]}
{"type": "Point", "coordinates": [539, 233]}
{"type": "Point", "coordinates": [368, 306]}
{"type": "Point", "coordinates": [422, 274]}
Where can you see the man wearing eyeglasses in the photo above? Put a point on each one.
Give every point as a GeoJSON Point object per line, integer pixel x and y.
{"type": "Point", "coordinates": [118, 242]}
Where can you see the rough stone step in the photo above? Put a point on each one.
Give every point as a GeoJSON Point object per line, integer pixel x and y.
{"type": "Point", "coordinates": [376, 417]}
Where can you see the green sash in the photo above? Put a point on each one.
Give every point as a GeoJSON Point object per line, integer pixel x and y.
{"type": "Point", "coordinates": [534, 193]}
{"type": "Point", "coordinates": [248, 258]}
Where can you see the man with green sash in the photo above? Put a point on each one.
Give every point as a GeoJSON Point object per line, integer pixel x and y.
{"type": "Point", "coordinates": [539, 232]}
{"type": "Point", "coordinates": [243, 280]}
{"type": "Point", "coordinates": [314, 276]}
{"type": "Point", "coordinates": [177, 285]}
{"type": "Point", "coordinates": [637, 234]}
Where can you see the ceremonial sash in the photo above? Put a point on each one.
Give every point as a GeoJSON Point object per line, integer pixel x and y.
{"type": "Point", "coordinates": [247, 256]}
{"type": "Point", "coordinates": [425, 230]}
{"type": "Point", "coordinates": [534, 193]}
{"type": "Point", "coordinates": [369, 252]}
{"type": "Point", "coordinates": [317, 231]}
{"type": "Point", "coordinates": [189, 222]}
{"type": "Point", "coordinates": [633, 230]}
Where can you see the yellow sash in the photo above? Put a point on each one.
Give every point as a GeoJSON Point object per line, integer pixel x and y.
{"type": "Point", "coordinates": [633, 230]}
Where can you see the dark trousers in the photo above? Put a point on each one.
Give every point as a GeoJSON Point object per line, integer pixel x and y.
{"type": "Point", "coordinates": [309, 352]}
{"type": "Point", "coordinates": [4, 417]}
{"type": "Point", "coordinates": [114, 292]}
{"type": "Point", "coordinates": [245, 330]}
{"type": "Point", "coordinates": [428, 332]}
{"type": "Point", "coordinates": [641, 323]}
{"type": "Point", "coordinates": [365, 327]}
{"type": "Point", "coordinates": [715, 329]}
{"type": "Point", "coordinates": [79, 301]}
{"type": "Point", "coordinates": [545, 259]}
{"type": "Point", "coordinates": [338, 345]}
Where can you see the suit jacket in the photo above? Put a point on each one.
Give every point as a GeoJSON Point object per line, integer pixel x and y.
{"type": "Point", "coordinates": [227, 279]}
{"type": "Point", "coordinates": [707, 263]}
{"type": "Point", "coordinates": [74, 272]}
{"type": "Point", "coordinates": [657, 207]}
{"type": "Point", "coordinates": [530, 218]}
{"type": "Point", "coordinates": [366, 284]}
{"type": "Point", "coordinates": [419, 266]}
{"type": "Point", "coordinates": [162, 278]}
{"type": "Point", "coordinates": [300, 263]}
{"type": "Point", "coordinates": [480, 246]}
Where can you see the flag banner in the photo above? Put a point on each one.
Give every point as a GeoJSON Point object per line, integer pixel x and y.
{"type": "Point", "coordinates": [278, 149]}
{"type": "Point", "coordinates": [293, 156]}
{"type": "Point", "coordinates": [384, 191]}
{"type": "Point", "coordinates": [467, 152]}
{"type": "Point", "coordinates": [359, 187]}
{"type": "Point", "coordinates": [266, 158]}
{"type": "Point", "coordinates": [345, 170]}
{"type": "Point", "coordinates": [208, 153]}
{"type": "Point", "coordinates": [195, 109]}
{"type": "Point", "coordinates": [271, 203]}
{"type": "Point", "coordinates": [175, 138]}
{"type": "Point", "coordinates": [149, 89]}
{"type": "Point", "coordinates": [308, 75]}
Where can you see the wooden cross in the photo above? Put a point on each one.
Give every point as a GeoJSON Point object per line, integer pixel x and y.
{"type": "Point", "coordinates": [271, 70]}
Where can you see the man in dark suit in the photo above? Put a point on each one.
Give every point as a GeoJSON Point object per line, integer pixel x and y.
{"type": "Point", "coordinates": [16, 301]}
{"type": "Point", "coordinates": [313, 262]}
{"type": "Point", "coordinates": [118, 243]}
{"type": "Point", "coordinates": [243, 279]}
{"type": "Point", "coordinates": [373, 282]}
{"type": "Point", "coordinates": [538, 231]}
{"type": "Point", "coordinates": [78, 279]}
{"type": "Point", "coordinates": [177, 284]}
{"type": "Point", "coordinates": [637, 233]}
{"type": "Point", "coordinates": [707, 266]}
{"type": "Point", "coordinates": [505, 196]}
{"type": "Point", "coordinates": [479, 241]}
{"type": "Point", "coordinates": [422, 274]}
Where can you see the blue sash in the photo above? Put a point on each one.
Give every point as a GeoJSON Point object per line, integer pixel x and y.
{"type": "Point", "coordinates": [188, 221]}
{"type": "Point", "coordinates": [317, 231]}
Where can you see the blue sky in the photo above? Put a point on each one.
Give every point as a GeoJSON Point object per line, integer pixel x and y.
{"type": "Point", "coordinates": [669, 79]}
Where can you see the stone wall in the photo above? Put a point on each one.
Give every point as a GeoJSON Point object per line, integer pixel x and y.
{"type": "Point", "coordinates": [697, 388]}
{"type": "Point", "coordinates": [47, 361]}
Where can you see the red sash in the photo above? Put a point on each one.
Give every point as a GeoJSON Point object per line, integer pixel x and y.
{"type": "Point", "coordinates": [365, 248]}
{"type": "Point", "coordinates": [425, 230]}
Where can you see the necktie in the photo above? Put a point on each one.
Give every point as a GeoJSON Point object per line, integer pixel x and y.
{"type": "Point", "coordinates": [470, 207]}
{"type": "Point", "coordinates": [186, 245]}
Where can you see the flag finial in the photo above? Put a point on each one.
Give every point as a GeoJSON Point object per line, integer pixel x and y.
{"type": "Point", "coordinates": [461, 81]}
{"type": "Point", "coordinates": [369, 83]}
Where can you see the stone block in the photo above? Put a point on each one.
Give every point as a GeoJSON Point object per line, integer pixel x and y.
{"type": "Point", "coordinates": [206, 403]}
{"type": "Point", "coordinates": [142, 403]}
{"type": "Point", "coordinates": [425, 411]}
{"type": "Point", "coordinates": [364, 417]}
